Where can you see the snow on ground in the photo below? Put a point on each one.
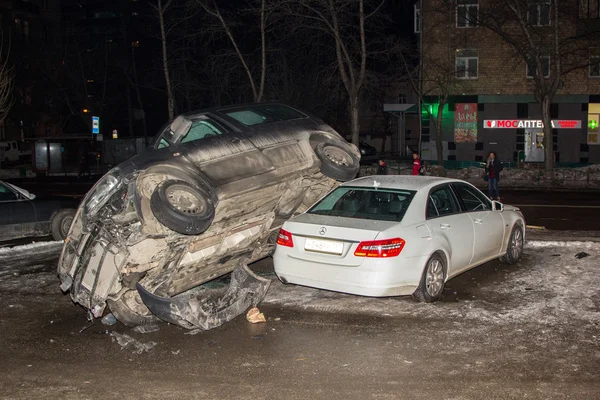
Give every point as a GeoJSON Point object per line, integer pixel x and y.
{"type": "Point", "coordinates": [15, 251]}
{"type": "Point", "coordinates": [549, 285]}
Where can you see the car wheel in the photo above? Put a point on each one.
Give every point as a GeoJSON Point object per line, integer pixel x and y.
{"type": "Point", "coordinates": [515, 246]}
{"type": "Point", "coordinates": [130, 310]}
{"type": "Point", "coordinates": [336, 162]}
{"type": "Point", "coordinates": [182, 207]}
{"type": "Point", "coordinates": [432, 281]}
{"type": "Point", "coordinates": [61, 222]}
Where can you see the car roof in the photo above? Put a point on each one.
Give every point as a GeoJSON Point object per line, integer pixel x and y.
{"type": "Point", "coordinates": [221, 109]}
{"type": "Point", "coordinates": [406, 182]}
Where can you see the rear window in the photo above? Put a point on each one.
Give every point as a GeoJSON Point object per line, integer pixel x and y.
{"type": "Point", "coordinates": [258, 115]}
{"type": "Point", "coordinates": [365, 203]}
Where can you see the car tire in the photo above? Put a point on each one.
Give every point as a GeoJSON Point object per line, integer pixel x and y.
{"type": "Point", "coordinates": [432, 281]}
{"type": "Point", "coordinates": [336, 162]}
{"type": "Point", "coordinates": [130, 310]}
{"type": "Point", "coordinates": [183, 208]}
{"type": "Point", "coordinates": [61, 223]}
{"type": "Point", "coordinates": [514, 251]}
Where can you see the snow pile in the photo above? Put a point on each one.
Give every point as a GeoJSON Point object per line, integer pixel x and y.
{"type": "Point", "coordinates": [16, 251]}
{"type": "Point", "coordinates": [14, 173]}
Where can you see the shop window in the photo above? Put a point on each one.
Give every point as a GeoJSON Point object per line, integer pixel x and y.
{"type": "Point", "coordinates": [451, 158]}
{"type": "Point", "coordinates": [583, 160]}
{"type": "Point", "coordinates": [467, 64]}
{"type": "Point", "coordinates": [451, 146]}
{"type": "Point", "coordinates": [553, 110]}
{"type": "Point", "coordinates": [538, 13]}
{"type": "Point", "coordinates": [522, 110]}
{"type": "Point", "coordinates": [532, 68]}
{"type": "Point", "coordinates": [467, 13]}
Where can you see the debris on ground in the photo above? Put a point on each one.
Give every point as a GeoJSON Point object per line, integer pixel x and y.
{"type": "Point", "coordinates": [127, 342]}
{"type": "Point", "coordinates": [146, 328]}
{"type": "Point", "coordinates": [209, 308]}
{"type": "Point", "coordinates": [539, 228]}
{"type": "Point", "coordinates": [109, 320]}
{"type": "Point", "coordinates": [255, 316]}
{"type": "Point", "coordinates": [581, 255]}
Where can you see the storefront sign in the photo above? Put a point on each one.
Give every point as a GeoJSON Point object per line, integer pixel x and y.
{"type": "Point", "coordinates": [465, 123]}
{"type": "Point", "coordinates": [530, 123]}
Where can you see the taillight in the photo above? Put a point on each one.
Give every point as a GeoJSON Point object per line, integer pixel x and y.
{"type": "Point", "coordinates": [380, 248]}
{"type": "Point", "coordinates": [285, 238]}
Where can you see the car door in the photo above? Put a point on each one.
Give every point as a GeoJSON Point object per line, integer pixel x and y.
{"type": "Point", "coordinates": [17, 214]}
{"type": "Point", "coordinates": [452, 228]}
{"type": "Point", "coordinates": [488, 224]}
{"type": "Point", "coordinates": [223, 154]}
{"type": "Point", "coordinates": [274, 128]}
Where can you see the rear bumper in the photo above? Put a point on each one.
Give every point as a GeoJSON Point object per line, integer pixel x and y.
{"type": "Point", "coordinates": [396, 276]}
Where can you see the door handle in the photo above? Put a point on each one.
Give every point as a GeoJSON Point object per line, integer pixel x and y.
{"type": "Point", "coordinates": [235, 140]}
{"type": "Point", "coordinates": [444, 226]}
{"type": "Point", "coordinates": [478, 221]}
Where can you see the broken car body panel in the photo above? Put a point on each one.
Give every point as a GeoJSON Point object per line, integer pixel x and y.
{"type": "Point", "coordinates": [210, 194]}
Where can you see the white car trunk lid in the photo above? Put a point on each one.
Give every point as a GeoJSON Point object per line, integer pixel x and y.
{"type": "Point", "coordinates": [331, 240]}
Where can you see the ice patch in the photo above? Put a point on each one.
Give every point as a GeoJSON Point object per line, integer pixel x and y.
{"type": "Point", "coordinates": [560, 243]}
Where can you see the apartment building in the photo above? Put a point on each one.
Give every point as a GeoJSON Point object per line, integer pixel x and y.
{"type": "Point", "coordinates": [490, 88]}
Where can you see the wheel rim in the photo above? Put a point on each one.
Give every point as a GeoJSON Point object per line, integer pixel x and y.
{"type": "Point", "coordinates": [184, 200]}
{"type": "Point", "coordinates": [434, 280]}
{"type": "Point", "coordinates": [338, 156]}
{"type": "Point", "coordinates": [516, 244]}
{"type": "Point", "coordinates": [65, 225]}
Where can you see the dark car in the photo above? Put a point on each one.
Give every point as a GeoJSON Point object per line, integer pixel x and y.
{"type": "Point", "coordinates": [210, 193]}
{"type": "Point", "coordinates": [366, 149]}
{"type": "Point", "coordinates": [22, 214]}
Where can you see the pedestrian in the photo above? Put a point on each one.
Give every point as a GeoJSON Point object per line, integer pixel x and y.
{"type": "Point", "coordinates": [493, 167]}
{"type": "Point", "coordinates": [416, 164]}
{"type": "Point", "coordinates": [382, 169]}
{"type": "Point", "coordinates": [84, 166]}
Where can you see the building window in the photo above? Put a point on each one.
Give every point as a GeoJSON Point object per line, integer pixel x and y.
{"type": "Point", "coordinates": [589, 9]}
{"type": "Point", "coordinates": [595, 63]}
{"type": "Point", "coordinates": [538, 13]}
{"type": "Point", "coordinates": [532, 68]}
{"type": "Point", "coordinates": [467, 13]}
{"type": "Point", "coordinates": [467, 64]}
{"type": "Point", "coordinates": [401, 99]}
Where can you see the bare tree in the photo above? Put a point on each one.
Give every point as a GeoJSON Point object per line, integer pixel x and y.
{"type": "Point", "coordinates": [439, 75]}
{"type": "Point", "coordinates": [345, 22]}
{"type": "Point", "coordinates": [160, 10]}
{"type": "Point", "coordinates": [258, 88]}
{"type": "Point", "coordinates": [550, 52]}
{"type": "Point", "coordinates": [7, 78]}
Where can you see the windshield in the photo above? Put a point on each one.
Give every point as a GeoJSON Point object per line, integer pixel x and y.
{"type": "Point", "coordinates": [365, 203]}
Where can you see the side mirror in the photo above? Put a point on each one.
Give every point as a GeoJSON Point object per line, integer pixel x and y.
{"type": "Point", "coordinates": [497, 206]}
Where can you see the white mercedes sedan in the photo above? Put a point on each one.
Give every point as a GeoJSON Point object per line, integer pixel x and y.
{"type": "Point", "coordinates": [396, 235]}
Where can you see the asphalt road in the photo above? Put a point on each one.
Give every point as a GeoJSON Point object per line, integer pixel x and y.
{"type": "Point", "coordinates": [501, 332]}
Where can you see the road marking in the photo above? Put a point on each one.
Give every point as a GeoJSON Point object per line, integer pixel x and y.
{"type": "Point", "coordinates": [554, 206]}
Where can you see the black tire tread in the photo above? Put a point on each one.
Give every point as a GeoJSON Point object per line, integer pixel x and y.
{"type": "Point", "coordinates": [175, 220]}
{"type": "Point", "coordinates": [332, 170]}
{"type": "Point", "coordinates": [420, 293]}
{"type": "Point", "coordinates": [57, 220]}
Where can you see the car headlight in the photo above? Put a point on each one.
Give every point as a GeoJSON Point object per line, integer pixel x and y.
{"type": "Point", "coordinates": [101, 193]}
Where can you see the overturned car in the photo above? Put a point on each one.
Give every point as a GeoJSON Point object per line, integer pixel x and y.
{"type": "Point", "coordinates": [207, 197]}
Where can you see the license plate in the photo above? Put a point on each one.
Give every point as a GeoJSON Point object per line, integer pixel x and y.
{"type": "Point", "coordinates": [324, 246]}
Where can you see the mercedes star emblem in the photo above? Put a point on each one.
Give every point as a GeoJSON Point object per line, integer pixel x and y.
{"type": "Point", "coordinates": [322, 231]}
